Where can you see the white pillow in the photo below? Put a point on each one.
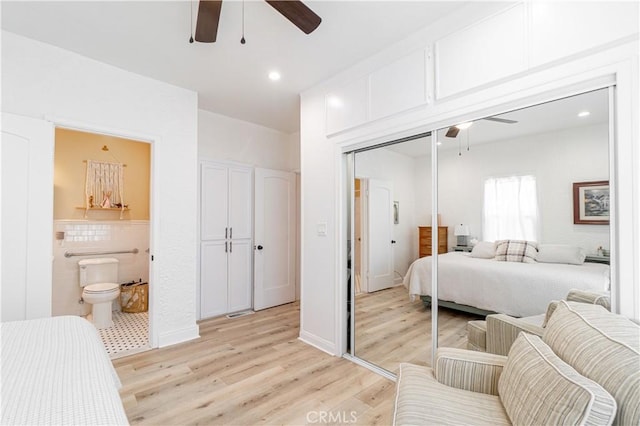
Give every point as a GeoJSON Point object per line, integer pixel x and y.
{"type": "Point", "coordinates": [559, 253]}
{"type": "Point", "coordinates": [484, 250]}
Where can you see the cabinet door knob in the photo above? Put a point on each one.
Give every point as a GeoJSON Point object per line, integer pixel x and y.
{"type": "Point", "coordinates": [259, 247]}
{"type": "Point", "coordinates": [393, 241]}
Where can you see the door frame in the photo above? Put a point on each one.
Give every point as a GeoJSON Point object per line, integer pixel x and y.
{"type": "Point", "coordinates": [364, 234]}
{"type": "Point", "coordinates": [154, 212]}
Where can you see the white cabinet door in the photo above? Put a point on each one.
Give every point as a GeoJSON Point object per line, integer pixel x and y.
{"type": "Point", "coordinates": [274, 238]}
{"type": "Point", "coordinates": [214, 205]}
{"type": "Point", "coordinates": [226, 262]}
{"type": "Point", "coordinates": [240, 260]}
{"type": "Point", "coordinates": [213, 278]}
{"type": "Point", "coordinates": [240, 202]}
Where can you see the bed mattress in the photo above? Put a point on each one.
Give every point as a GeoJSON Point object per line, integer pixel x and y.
{"type": "Point", "coordinates": [513, 288]}
{"type": "Point", "coordinates": [56, 371]}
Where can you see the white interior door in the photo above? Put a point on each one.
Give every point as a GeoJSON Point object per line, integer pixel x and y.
{"type": "Point", "coordinates": [380, 236]}
{"type": "Point", "coordinates": [274, 255]}
{"type": "Point", "coordinates": [26, 181]}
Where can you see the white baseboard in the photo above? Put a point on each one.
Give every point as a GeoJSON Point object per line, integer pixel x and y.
{"type": "Point", "coordinates": [318, 343]}
{"type": "Point", "coordinates": [179, 336]}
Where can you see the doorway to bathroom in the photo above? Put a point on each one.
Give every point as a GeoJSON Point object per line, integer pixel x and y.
{"type": "Point", "coordinates": [102, 211]}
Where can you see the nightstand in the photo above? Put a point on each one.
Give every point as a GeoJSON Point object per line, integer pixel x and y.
{"type": "Point", "coordinates": [461, 248]}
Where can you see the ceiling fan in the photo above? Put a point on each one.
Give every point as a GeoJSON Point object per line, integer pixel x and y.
{"type": "Point", "coordinates": [453, 131]}
{"type": "Point", "coordinates": [294, 10]}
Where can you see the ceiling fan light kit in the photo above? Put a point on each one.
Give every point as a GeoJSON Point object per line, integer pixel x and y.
{"type": "Point", "coordinates": [294, 10]}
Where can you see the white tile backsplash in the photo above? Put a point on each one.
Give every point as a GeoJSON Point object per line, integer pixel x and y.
{"type": "Point", "coordinates": [91, 236]}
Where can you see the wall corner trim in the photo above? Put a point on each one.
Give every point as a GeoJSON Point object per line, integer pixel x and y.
{"type": "Point", "coordinates": [179, 336]}
{"type": "Point", "coordinates": [318, 343]}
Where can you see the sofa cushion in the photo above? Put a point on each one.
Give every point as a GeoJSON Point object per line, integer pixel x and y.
{"type": "Point", "coordinates": [603, 347]}
{"type": "Point", "coordinates": [537, 388]}
{"type": "Point", "coordinates": [422, 400]}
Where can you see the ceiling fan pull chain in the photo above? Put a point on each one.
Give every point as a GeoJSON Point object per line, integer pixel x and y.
{"type": "Point", "coordinates": [191, 20]}
{"type": "Point", "coordinates": [242, 40]}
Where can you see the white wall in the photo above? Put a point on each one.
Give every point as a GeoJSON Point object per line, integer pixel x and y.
{"type": "Point", "coordinates": [608, 56]}
{"type": "Point", "coordinates": [556, 159]}
{"type": "Point", "coordinates": [397, 168]}
{"type": "Point", "coordinates": [223, 138]}
{"type": "Point", "coordinates": [42, 81]}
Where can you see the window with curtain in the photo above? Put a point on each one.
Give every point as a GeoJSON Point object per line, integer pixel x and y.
{"type": "Point", "coordinates": [510, 208]}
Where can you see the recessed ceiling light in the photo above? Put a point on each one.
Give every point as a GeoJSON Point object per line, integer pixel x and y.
{"type": "Point", "coordinates": [583, 114]}
{"type": "Point", "coordinates": [335, 102]}
{"type": "Point", "coordinates": [274, 76]}
{"type": "Point", "coordinates": [463, 126]}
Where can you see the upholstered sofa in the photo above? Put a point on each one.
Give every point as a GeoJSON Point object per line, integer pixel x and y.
{"type": "Point", "coordinates": [584, 370]}
{"type": "Point", "coordinates": [497, 333]}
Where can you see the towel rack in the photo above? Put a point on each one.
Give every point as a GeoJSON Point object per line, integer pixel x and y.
{"type": "Point", "coordinates": [95, 253]}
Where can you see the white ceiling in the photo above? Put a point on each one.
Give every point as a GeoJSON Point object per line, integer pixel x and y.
{"type": "Point", "coordinates": [543, 118]}
{"type": "Point", "coordinates": [151, 38]}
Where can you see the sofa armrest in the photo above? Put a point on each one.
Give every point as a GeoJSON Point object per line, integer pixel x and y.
{"type": "Point", "coordinates": [469, 370]}
{"type": "Point", "coordinates": [594, 298]}
{"type": "Point", "coordinates": [502, 331]}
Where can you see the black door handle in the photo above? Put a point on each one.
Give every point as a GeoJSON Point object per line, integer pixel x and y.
{"type": "Point", "coordinates": [393, 241]}
{"type": "Point", "coordinates": [259, 247]}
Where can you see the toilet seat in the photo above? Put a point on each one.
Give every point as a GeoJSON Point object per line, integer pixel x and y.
{"type": "Point", "coordinates": [101, 288]}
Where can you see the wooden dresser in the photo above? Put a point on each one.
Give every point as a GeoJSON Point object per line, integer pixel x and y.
{"type": "Point", "coordinates": [424, 241]}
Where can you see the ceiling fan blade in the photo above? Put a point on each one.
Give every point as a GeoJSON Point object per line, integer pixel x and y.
{"type": "Point", "coordinates": [208, 18]}
{"type": "Point", "coordinates": [452, 132]}
{"type": "Point", "coordinates": [298, 13]}
{"type": "Point", "coordinates": [500, 120]}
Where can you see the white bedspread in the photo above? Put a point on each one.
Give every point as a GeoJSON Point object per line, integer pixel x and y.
{"type": "Point", "coordinates": [56, 371]}
{"type": "Point", "coordinates": [513, 288]}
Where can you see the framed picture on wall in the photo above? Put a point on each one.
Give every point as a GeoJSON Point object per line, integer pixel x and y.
{"type": "Point", "coordinates": [591, 203]}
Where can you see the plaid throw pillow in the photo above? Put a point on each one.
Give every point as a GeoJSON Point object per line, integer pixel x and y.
{"type": "Point", "coordinates": [516, 251]}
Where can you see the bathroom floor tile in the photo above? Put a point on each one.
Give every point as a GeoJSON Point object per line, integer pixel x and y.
{"type": "Point", "coordinates": [129, 334]}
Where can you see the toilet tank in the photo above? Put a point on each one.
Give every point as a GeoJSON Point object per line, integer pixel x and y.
{"type": "Point", "coordinates": [100, 270]}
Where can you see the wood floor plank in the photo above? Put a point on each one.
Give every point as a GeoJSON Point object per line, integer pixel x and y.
{"type": "Point", "coordinates": [254, 370]}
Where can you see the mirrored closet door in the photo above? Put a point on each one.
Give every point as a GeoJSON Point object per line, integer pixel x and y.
{"type": "Point", "coordinates": [391, 202]}
{"type": "Point", "coordinates": [523, 216]}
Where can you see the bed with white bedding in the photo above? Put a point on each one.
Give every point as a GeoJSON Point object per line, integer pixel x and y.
{"type": "Point", "coordinates": [56, 371]}
{"type": "Point", "coordinates": [513, 288]}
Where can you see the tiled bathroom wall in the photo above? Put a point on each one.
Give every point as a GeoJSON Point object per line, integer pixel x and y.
{"type": "Point", "coordinates": [82, 236]}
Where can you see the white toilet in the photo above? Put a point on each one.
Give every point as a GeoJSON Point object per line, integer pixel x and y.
{"type": "Point", "coordinates": [99, 279]}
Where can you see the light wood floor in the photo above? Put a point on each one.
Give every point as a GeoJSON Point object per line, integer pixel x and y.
{"type": "Point", "coordinates": [391, 329]}
{"type": "Point", "coordinates": [253, 370]}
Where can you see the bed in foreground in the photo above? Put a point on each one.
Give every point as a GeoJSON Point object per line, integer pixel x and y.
{"type": "Point", "coordinates": [56, 371]}
{"type": "Point", "coordinates": [513, 288]}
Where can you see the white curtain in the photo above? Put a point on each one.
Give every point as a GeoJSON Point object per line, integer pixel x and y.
{"type": "Point", "coordinates": [104, 180]}
{"type": "Point", "coordinates": [510, 208]}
